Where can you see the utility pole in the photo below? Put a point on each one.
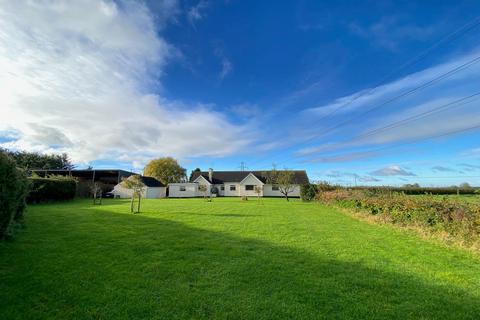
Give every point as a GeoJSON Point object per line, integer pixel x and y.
{"type": "Point", "coordinates": [242, 166]}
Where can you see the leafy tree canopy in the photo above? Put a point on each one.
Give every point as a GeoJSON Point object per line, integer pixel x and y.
{"type": "Point", "coordinates": [167, 170]}
{"type": "Point", "coordinates": [193, 171]}
{"type": "Point", "coordinates": [35, 160]}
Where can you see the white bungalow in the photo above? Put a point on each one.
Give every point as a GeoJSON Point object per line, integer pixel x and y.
{"type": "Point", "coordinates": [234, 184]}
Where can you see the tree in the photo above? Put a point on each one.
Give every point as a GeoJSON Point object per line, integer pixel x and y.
{"type": "Point", "coordinates": [193, 172]}
{"type": "Point", "coordinates": [34, 160]}
{"type": "Point", "coordinates": [258, 191]}
{"type": "Point", "coordinates": [96, 191]}
{"type": "Point", "coordinates": [284, 179]}
{"type": "Point", "coordinates": [411, 185]}
{"type": "Point", "coordinates": [465, 185]}
{"type": "Point", "coordinates": [135, 184]}
{"type": "Point", "coordinates": [14, 187]}
{"type": "Point", "coordinates": [204, 189]}
{"type": "Point", "coordinates": [167, 170]}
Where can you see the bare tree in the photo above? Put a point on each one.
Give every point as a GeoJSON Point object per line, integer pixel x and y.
{"type": "Point", "coordinates": [135, 184]}
{"type": "Point", "coordinates": [284, 179]}
{"type": "Point", "coordinates": [96, 191]}
{"type": "Point", "coordinates": [258, 191]}
{"type": "Point", "coordinates": [204, 189]}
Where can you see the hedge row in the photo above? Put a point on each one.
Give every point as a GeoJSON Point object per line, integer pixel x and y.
{"type": "Point", "coordinates": [14, 187]}
{"type": "Point", "coordinates": [458, 219]}
{"type": "Point", "coordinates": [420, 190]}
{"type": "Point", "coordinates": [52, 188]}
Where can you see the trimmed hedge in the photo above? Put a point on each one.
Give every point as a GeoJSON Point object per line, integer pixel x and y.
{"type": "Point", "coordinates": [52, 188]}
{"type": "Point", "coordinates": [14, 187]}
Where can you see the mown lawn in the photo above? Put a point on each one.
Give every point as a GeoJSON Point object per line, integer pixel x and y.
{"type": "Point", "coordinates": [190, 259]}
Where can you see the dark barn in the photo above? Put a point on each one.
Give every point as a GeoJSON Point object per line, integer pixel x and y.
{"type": "Point", "coordinates": [105, 177]}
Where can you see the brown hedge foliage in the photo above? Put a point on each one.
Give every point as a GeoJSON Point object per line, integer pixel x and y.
{"type": "Point", "coordinates": [458, 219]}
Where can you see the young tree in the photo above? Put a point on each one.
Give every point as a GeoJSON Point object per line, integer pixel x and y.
{"type": "Point", "coordinates": [285, 182]}
{"type": "Point", "coordinates": [284, 179]}
{"type": "Point", "coordinates": [135, 184]}
{"type": "Point", "coordinates": [96, 191]}
{"type": "Point", "coordinates": [258, 191]}
{"type": "Point", "coordinates": [167, 170]}
{"type": "Point", "coordinates": [203, 189]}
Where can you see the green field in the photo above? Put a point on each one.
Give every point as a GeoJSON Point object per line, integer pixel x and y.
{"type": "Point", "coordinates": [228, 259]}
{"type": "Point", "coordinates": [469, 198]}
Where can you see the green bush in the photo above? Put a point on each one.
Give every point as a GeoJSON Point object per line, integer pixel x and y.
{"type": "Point", "coordinates": [52, 188]}
{"type": "Point", "coordinates": [308, 192]}
{"type": "Point", "coordinates": [14, 187]}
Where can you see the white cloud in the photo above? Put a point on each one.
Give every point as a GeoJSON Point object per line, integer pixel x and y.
{"type": "Point", "coordinates": [76, 78]}
{"type": "Point", "coordinates": [392, 171]}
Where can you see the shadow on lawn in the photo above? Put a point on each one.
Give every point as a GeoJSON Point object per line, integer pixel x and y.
{"type": "Point", "coordinates": [232, 215]}
{"type": "Point", "coordinates": [130, 266]}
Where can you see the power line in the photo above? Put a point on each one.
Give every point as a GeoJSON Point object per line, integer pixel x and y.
{"type": "Point", "coordinates": [444, 107]}
{"type": "Point", "coordinates": [446, 39]}
{"type": "Point", "coordinates": [422, 86]}
{"type": "Point", "coordinates": [452, 104]}
{"type": "Point", "coordinates": [427, 138]}
{"type": "Point", "coordinates": [405, 94]}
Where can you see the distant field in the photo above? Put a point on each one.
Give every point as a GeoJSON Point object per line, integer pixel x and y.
{"type": "Point", "coordinates": [191, 259]}
{"type": "Point", "coordinates": [467, 197]}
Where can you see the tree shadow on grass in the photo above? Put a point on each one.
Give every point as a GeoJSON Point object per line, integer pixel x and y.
{"type": "Point", "coordinates": [131, 266]}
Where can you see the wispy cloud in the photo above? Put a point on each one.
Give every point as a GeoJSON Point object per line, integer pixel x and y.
{"type": "Point", "coordinates": [393, 170]}
{"type": "Point", "coordinates": [335, 174]}
{"type": "Point", "coordinates": [389, 32]}
{"type": "Point", "coordinates": [358, 105]}
{"type": "Point", "coordinates": [469, 167]}
{"type": "Point", "coordinates": [225, 63]}
{"type": "Point", "coordinates": [245, 110]}
{"type": "Point", "coordinates": [196, 12]}
{"type": "Point", "coordinates": [76, 78]}
{"type": "Point", "coordinates": [443, 169]}
{"type": "Point", "coordinates": [369, 179]}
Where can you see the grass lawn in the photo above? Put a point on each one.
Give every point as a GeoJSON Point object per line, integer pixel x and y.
{"type": "Point", "coordinates": [190, 259]}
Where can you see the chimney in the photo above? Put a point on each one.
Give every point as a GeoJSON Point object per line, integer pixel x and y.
{"type": "Point", "coordinates": [210, 174]}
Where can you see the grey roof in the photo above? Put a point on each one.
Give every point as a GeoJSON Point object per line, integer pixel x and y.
{"type": "Point", "coordinates": [220, 177]}
{"type": "Point", "coordinates": [152, 182]}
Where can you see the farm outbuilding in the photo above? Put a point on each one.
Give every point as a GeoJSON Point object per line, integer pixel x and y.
{"type": "Point", "coordinates": [154, 189]}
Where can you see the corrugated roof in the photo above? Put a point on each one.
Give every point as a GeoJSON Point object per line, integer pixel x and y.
{"type": "Point", "coordinates": [220, 177]}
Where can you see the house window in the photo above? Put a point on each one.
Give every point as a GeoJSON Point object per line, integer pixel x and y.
{"type": "Point", "coordinates": [222, 188]}
{"type": "Point", "coordinates": [233, 188]}
{"type": "Point", "coordinates": [275, 187]}
{"type": "Point", "coordinates": [249, 187]}
{"type": "Point", "coordinates": [182, 188]}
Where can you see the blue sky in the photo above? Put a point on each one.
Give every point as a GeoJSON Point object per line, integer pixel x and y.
{"type": "Point", "coordinates": [215, 83]}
